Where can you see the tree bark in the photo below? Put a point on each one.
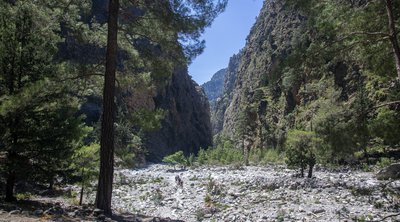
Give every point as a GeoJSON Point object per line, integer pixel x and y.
{"type": "Point", "coordinates": [104, 191]}
{"type": "Point", "coordinates": [83, 187]}
{"type": "Point", "coordinates": [393, 35]}
{"type": "Point", "coordinates": [246, 156]}
{"type": "Point", "coordinates": [10, 187]}
{"type": "Point", "coordinates": [310, 171]}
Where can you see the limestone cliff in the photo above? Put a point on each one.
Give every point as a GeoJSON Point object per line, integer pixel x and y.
{"type": "Point", "coordinates": [187, 124]}
{"type": "Point", "coordinates": [214, 87]}
{"type": "Point", "coordinates": [268, 43]}
{"type": "Point", "coordinates": [221, 103]}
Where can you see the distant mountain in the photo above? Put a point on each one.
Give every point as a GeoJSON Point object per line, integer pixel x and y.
{"type": "Point", "coordinates": [219, 106]}
{"type": "Point", "coordinates": [214, 87]}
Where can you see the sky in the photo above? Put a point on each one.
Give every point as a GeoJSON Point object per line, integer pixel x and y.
{"type": "Point", "coordinates": [226, 36]}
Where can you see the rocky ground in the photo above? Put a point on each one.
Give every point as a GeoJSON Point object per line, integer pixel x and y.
{"type": "Point", "coordinates": [271, 193]}
{"type": "Point", "coordinates": [253, 193]}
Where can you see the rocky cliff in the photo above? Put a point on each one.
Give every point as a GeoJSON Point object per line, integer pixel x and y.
{"type": "Point", "coordinates": [187, 124]}
{"type": "Point", "coordinates": [221, 103]}
{"type": "Point", "coordinates": [214, 87]}
{"type": "Point", "coordinates": [291, 76]}
{"type": "Point", "coordinates": [269, 42]}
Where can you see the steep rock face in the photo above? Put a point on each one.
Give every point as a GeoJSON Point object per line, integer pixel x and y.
{"type": "Point", "coordinates": [214, 87]}
{"type": "Point", "coordinates": [221, 103]}
{"type": "Point", "coordinates": [269, 43]}
{"type": "Point", "coordinates": [187, 124]}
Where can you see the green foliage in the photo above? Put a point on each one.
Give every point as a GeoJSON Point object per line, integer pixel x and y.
{"type": "Point", "coordinates": [23, 196]}
{"type": "Point", "coordinates": [226, 153]}
{"type": "Point", "coordinates": [148, 120]}
{"type": "Point", "coordinates": [332, 124]}
{"type": "Point", "coordinates": [38, 107]}
{"type": "Point", "coordinates": [386, 126]}
{"type": "Point", "coordinates": [201, 156]}
{"type": "Point", "coordinates": [41, 91]}
{"type": "Point", "coordinates": [223, 153]}
{"type": "Point", "coordinates": [267, 156]}
{"type": "Point", "coordinates": [301, 149]}
{"type": "Point", "coordinates": [177, 158]}
{"type": "Point", "coordinates": [384, 162]}
{"type": "Point", "coordinates": [191, 160]}
{"type": "Point", "coordinates": [86, 162]}
{"type": "Point", "coordinates": [129, 148]}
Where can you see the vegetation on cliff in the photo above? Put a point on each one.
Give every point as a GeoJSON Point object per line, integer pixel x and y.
{"type": "Point", "coordinates": [326, 69]}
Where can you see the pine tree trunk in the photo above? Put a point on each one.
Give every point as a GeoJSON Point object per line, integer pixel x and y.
{"type": "Point", "coordinates": [393, 35]}
{"type": "Point", "coordinates": [51, 183]}
{"type": "Point", "coordinates": [104, 191]}
{"type": "Point", "coordinates": [246, 156]}
{"type": "Point", "coordinates": [83, 186]}
{"type": "Point", "coordinates": [10, 183]}
{"type": "Point", "coordinates": [310, 171]}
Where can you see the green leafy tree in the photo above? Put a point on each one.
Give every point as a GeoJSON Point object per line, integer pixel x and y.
{"type": "Point", "coordinates": [177, 158]}
{"type": "Point", "coordinates": [301, 150]}
{"type": "Point", "coordinates": [386, 126]}
{"type": "Point", "coordinates": [360, 119]}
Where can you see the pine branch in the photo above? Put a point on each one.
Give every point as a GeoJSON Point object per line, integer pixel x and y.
{"type": "Point", "coordinates": [386, 104]}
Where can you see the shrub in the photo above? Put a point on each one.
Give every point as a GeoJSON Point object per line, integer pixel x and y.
{"type": "Point", "coordinates": [202, 156]}
{"type": "Point", "coordinates": [273, 156]}
{"type": "Point", "coordinates": [224, 152]}
{"type": "Point", "coordinates": [384, 162]}
{"type": "Point", "coordinates": [177, 158]}
{"type": "Point", "coordinates": [301, 150]}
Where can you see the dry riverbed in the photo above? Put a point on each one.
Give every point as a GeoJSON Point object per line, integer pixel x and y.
{"type": "Point", "coordinates": [271, 193]}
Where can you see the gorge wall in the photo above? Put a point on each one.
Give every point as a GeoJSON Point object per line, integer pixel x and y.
{"type": "Point", "coordinates": [214, 87]}
{"type": "Point", "coordinates": [290, 76]}
{"type": "Point", "coordinates": [251, 70]}
{"type": "Point", "coordinates": [268, 43]}
{"type": "Point", "coordinates": [220, 103]}
{"type": "Point", "coordinates": [187, 125]}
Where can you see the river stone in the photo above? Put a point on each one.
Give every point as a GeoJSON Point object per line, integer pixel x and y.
{"type": "Point", "coordinates": [97, 212]}
{"type": "Point", "coordinates": [38, 213]}
{"type": "Point", "coordinates": [14, 212]}
{"type": "Point", "coordinates": [390, 172]}
{"type": "Point", "coordinates": [318, 211]}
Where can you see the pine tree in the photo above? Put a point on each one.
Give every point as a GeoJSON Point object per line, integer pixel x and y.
{"type": "Point", "coordinates": [170, 37]}
{"type": "Point", "coordinates": [40, 128]}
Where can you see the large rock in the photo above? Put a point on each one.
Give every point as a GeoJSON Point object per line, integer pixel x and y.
{"type": "Point", "coordinates": [390, 172]}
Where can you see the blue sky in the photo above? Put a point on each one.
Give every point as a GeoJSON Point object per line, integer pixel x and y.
{"type": "Point", "coordinates": [225, 37]}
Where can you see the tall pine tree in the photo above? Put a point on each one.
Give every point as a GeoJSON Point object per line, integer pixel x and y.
{"type": "Point", "coordinates": [39, 126]}
{"type": "Point", "coordinates": [170, 31]}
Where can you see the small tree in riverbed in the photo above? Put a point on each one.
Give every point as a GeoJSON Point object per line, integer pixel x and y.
{"type": "Point", "coordinates": [177, 158]}
{"type": "Point", "coordinates": [85, 164]}
{"type": "Point", "coordinates": [301, 150]}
